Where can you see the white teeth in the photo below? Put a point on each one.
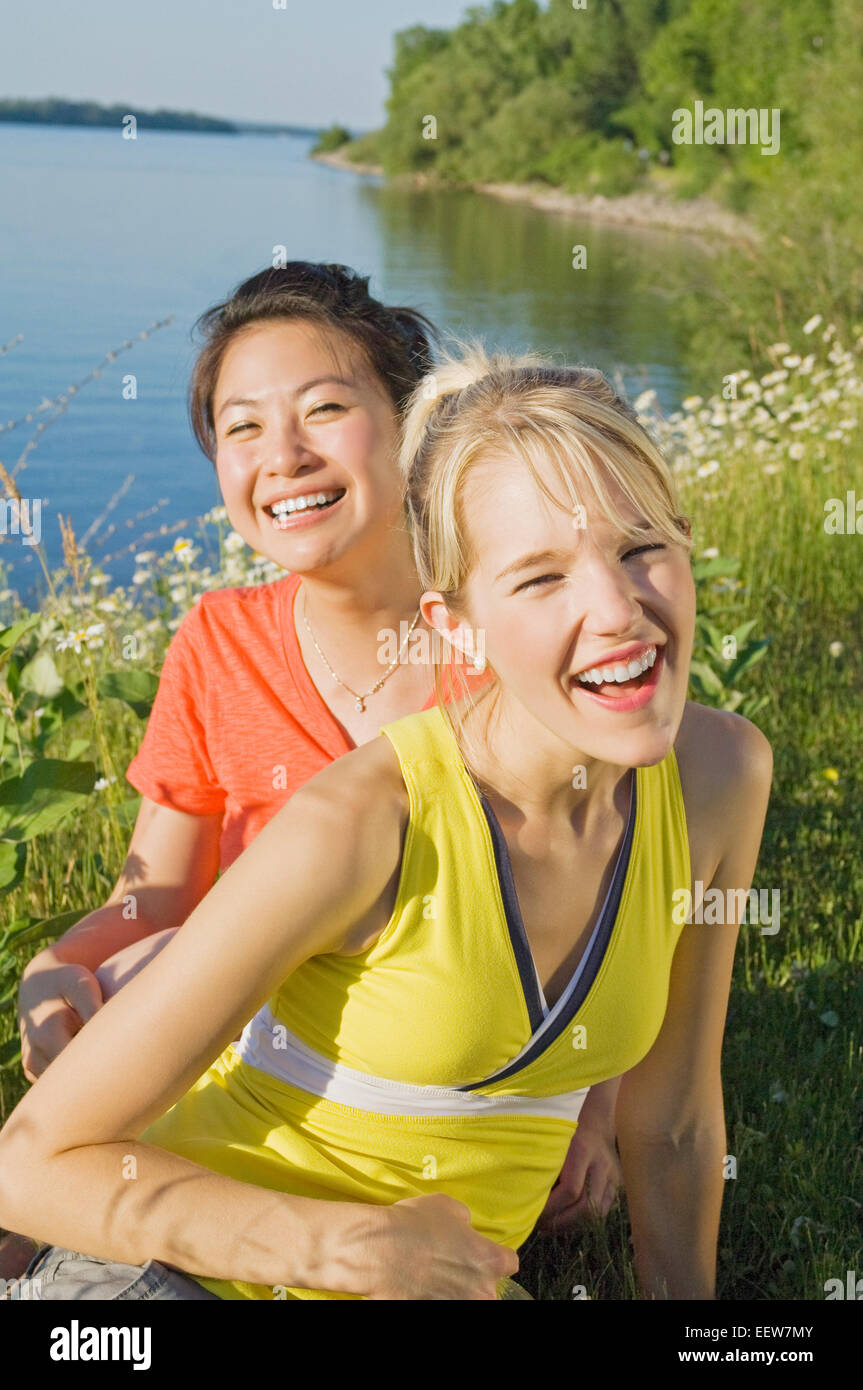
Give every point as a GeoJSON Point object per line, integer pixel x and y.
{"type": "Point", "coordinates": [620, 671]}
{"type": "Point", "coordinates": [288, 505]}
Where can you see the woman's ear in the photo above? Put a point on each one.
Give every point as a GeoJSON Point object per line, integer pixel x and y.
{"type": "Point", "coordinates": [467, 644]}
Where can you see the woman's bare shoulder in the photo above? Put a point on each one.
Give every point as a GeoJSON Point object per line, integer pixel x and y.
{"type": "Point", "coordinates": [370, 771]}
{"type": "Point", "coordinates": [723, 760]}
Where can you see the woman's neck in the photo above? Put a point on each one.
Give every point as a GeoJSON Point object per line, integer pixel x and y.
{"type": "Point", "coordinates": [530, 774]}
{"type": "Point", "coordinates": [357, 610]}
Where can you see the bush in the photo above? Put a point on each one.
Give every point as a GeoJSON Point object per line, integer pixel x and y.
{"type": "Point", "coordinates": [332, 139]}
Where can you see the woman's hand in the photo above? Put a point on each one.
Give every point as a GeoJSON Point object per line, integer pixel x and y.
{"type": "Point", "coordinates": [591, 1175]}
{"type": "Point", "coordinates": [426, 1248]}
{"type": "Point", "coordinates": [55, 1000]}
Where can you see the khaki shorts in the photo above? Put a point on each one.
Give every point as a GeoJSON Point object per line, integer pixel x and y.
{"type": "Point", "coordinates": [55, 1273]}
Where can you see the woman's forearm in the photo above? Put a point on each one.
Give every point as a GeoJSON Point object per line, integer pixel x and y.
{"type": "Point", "coordinates": [674, 1193]}
{"type": "Point", "coordinates": [133, 1202]}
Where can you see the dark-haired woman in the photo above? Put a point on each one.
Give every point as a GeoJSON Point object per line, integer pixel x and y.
{"type": "Point", "coordinates": [297, 398]}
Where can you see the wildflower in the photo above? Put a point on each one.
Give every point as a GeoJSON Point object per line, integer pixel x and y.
{"type": "Point", "coordinates": [796, 451]}
{"type": "Point", "coordinates": [99, 580]}
{"type": "Point", "coordinates": [233, 542]}
{"type": "Point", "coordinates": [836, 649]}
{"type": "Point", "coordinates": [102, 783]}
{"type": "Point", "coordinates": [793, 360]}
{"type": "Point", "coordinates": [183, 548]}
{"type": "Point", "coordinates": [832, 774]}
{"type": "Point", "coordinates": [705, 469]}
{"type": "Point", "coordinates": [811, 324]}
{"type": "Point", "coordinates": [772, 468]}
{"type": "Point", "coordinates": [91, 635]}
{"type": "Point", "coordinates": [144, 557]}
{"type": "Point", "coordinates": [710, 554]}
{"type": "Point", "coordinates": [779, 348]}
{"type": "Point", "coordinates": [691, 403]}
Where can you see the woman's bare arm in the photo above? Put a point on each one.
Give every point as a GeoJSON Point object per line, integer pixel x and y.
{"type": "Point", "coordinates": [316, 869]}
{"type": "Point", "coordinates": [172, 862]}
{"type": "Point", "coordinates": [670, 1114]}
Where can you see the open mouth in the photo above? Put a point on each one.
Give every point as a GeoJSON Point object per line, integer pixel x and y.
{"type": "Point", "coordinates": [309, 504]}
{"type": "Point", "coordinates": [623, 680]}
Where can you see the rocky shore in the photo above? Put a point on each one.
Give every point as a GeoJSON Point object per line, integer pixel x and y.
{"type": "Point", "coordinates": [694, 217]}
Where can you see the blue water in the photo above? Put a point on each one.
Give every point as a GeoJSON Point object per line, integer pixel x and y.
{"type": "Point", "coordinates": [100, 237]}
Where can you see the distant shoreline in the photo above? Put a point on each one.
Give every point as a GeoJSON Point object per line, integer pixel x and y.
{"type": "Point", "coordinates": [700, 217]}
{"type": "Point", "coordinates": [92, 115]}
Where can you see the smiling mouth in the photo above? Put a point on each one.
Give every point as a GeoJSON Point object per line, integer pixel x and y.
{"type": "Point", "coordinates": [614, 686]}
{"type": "Point", "coordinates": [306, 505]}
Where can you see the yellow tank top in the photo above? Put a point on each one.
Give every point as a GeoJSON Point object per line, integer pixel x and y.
{"type": "Point", "coordinates": [431, 1062]}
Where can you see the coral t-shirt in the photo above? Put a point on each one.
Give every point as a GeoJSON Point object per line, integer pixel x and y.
{"type": "Point", "coordinates": [238, 725]}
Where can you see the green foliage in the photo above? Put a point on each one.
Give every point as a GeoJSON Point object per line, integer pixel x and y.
{"type": "Point", "coordinates": [137, 688]}
{"type": "Point", "coordinates": [571, 97]}
{"type": "Point", "coordinates": [332, 139]}
{"type": "Point", "coordinates": [722, 654]}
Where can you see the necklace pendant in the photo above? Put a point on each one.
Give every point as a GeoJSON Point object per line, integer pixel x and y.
{"type": "Point", "coordinates": [361, 705]}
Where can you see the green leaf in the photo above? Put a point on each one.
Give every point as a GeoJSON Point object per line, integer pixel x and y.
{"type": "Point", "coordinates": [831, 1018]}
{"type": "Point", "coordinates": [13, 861]}
{"type": "Point", "coordinates": [42, 677]}
{"type": "Point", "coordinates": [76, 748]}
{"type": "Point", "coordinates": [67, 702]}
{"type": "Point", "coordinates": [713, 568]}
{"type": "Point", "coordinates": [10, 1053]}
{"type": "Point", "coordinates": [747, 658]}
{"type": "Point", "coordinates": [707, 677]}
{"type": "Point", "coordinates": [741, 633]}
{"type": "Point", "coordinates": [9, 636]}
{"type": "Point", "coordinates": [137, 688]}
{"type": "Point", "coordinates": [45, 793]}
{"type": "Point", "coordinates": [35, 928]}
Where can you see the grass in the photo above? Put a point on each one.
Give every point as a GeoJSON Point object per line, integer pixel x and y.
{"type": "Point", "coordinates": [754, 474]}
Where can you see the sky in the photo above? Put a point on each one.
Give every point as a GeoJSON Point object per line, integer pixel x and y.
{"type": "Point", "coordinates": [312, 63]}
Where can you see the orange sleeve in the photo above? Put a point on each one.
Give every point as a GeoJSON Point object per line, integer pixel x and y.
{"type": "Point", "coordinates": [173, 765]}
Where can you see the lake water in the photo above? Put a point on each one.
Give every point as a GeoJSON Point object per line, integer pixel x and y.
{"type": "Point", "coordinates": [101, 236]}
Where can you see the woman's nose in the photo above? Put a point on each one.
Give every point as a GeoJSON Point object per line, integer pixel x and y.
{"type": "Point", "coordinates": [608, 596]}
{"type": "Point", "coordinates": [286, 450]}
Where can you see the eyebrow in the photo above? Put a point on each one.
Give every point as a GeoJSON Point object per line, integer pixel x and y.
{"type": "Point", "coordinates": [300, 391]}
{"type": "Point", "coordinates": [536, 557]}
{"type": "Point", "coordinates": [545, 557]}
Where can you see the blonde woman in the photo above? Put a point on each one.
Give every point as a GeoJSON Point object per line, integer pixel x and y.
{"type": "Point", "coordinates": [451, 933]}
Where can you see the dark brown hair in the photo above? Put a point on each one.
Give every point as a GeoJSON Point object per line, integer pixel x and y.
{"type": "Point", "coordinates": [395, 341]}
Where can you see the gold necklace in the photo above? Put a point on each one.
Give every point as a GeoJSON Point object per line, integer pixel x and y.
{"type": "Point", "coordinates": [360, 700]}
